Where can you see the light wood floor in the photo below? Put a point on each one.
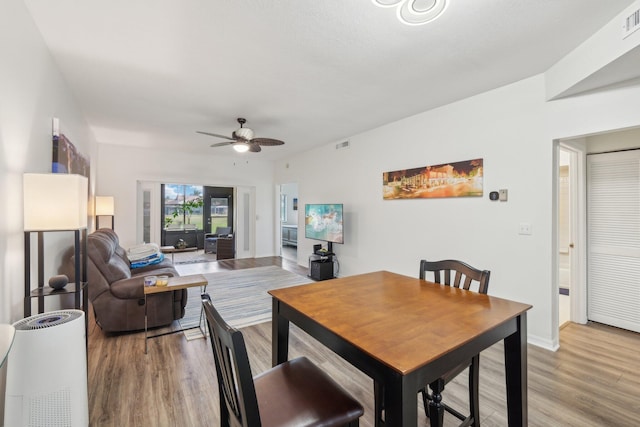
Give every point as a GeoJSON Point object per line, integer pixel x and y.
{"type": "Point", "coordinates": [593, 380]}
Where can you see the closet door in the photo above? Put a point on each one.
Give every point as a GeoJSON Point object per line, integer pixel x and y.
{"type": "Point", "coordinates": [613, 221]}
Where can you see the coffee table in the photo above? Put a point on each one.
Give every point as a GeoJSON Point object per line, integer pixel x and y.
{"type": "Point", "coordinates": [171, 250]}
{"type": "Point", "coordinates": [174, 284]}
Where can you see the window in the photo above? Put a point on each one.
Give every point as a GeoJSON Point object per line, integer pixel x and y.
{"type": "Point", "coordinates": [182, 205]}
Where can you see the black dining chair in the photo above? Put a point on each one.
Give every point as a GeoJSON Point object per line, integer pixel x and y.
{"type": "Point", "coordinates": [464, 276]}
{"type": "Point", "coordinates": [460, 275]}
{"type": "Point", "coordinates": [295, 393]}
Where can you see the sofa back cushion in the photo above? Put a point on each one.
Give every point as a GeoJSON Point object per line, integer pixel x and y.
{"type": "Point", "coordinates": [110, 234]}
{"type": "Point", "coordinates": [101, 249]}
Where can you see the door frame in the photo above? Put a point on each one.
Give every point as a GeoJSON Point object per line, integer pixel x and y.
{"type": "Point", "coordinates": [578, 264]}
{"type": "Point", "coordinates": [218, 192]}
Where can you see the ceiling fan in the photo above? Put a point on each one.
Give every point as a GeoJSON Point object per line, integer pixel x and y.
{"type": "Point", "coordinates": [242, 139]}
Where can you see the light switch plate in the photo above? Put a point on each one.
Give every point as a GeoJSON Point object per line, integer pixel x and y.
{"type": "Point", "coordinates": [503, 195]}
{"type": "Point", "coordinates": [525, 228]}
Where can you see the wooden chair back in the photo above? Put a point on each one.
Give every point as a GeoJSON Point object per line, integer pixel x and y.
{"type": "Point", "coordinates": [235, 382]}
{"type": "Point", "coordinates": [463, 274]}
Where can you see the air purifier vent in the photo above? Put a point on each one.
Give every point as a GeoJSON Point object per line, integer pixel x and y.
{"type": "Point", "coordinates": [47, 320]}
{"type": "Point", "coordinates": [51, 409]}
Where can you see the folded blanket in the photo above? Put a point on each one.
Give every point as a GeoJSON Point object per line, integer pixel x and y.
{"type": "Point", "coordinates": [142, 252]}
{"type": "Point", "coordinates": [144, 247]}
{"type": "Point", "coordinates": [156, 259]}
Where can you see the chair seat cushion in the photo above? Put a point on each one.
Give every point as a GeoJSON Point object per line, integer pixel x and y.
{"type": "Point", "coordinates": [297, 393]}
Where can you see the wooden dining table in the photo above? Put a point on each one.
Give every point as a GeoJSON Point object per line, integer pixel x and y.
{"type": "Point", "coordinates": [404, 333]}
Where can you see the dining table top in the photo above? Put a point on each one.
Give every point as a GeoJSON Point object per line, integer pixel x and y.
{"type": "Point", "coordinates": [403, 322]}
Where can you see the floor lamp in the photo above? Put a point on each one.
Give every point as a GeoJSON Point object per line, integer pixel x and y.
{"type": "Point", "coordinates": [105, 207]}
{"type": "Point", "coordinates": [55, 202]}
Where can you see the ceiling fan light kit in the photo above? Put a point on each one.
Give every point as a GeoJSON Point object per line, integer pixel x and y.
{"type": "Point", "coordinates": [242, 139]}
{"type": "Point", "coordinates": [241, 147]}
{"type": "Point", "coordinates": [244, 133]}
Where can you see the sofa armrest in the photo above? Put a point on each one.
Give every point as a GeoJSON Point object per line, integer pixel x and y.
{"type": "Point", "coordinates": [166, 271]}
{"type": "Point", "coordinates": [128, 288]}
{"type": "Point", "coordinates": [133, 287]}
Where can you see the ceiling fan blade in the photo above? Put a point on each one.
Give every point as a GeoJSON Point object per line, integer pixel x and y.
{"type": "Point", "coordinates": [266, 141]}
{"type": "Point", "coordinates": [254, 148]}
{"type": "Point", "coordinates": [220, 144]}
{"type": "Point", "coordinates": [214, 134]}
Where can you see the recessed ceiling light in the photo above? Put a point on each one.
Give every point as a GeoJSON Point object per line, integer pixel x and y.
{"type": "Point", "coordinates": [415, 12]}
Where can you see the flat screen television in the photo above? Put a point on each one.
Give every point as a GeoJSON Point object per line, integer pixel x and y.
{"type": "Point", "coordinates": [324, 222]}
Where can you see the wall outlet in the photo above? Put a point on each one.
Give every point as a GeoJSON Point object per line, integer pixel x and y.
{"type": "Point", "coordinates": [525, 228]}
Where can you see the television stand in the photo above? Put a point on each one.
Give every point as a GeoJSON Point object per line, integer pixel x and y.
{"type": "Point", "coordinates": [321, 269]}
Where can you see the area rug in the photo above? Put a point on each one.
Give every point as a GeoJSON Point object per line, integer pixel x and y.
{"type": "Point", "coordinates": [240, 296]}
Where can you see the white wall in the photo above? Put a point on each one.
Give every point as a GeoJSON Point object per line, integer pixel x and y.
{"type": "Point", "coordinates": [32, 93]}
{"type": "Point", "coordinates": [512, 128]}
{"type": "Point", "coordinates": [120, 168]}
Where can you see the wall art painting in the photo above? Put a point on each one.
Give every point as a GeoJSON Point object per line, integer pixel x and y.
{"type": "Point", "coordinates": [66, 158]}
{"type": "Point", "coordinates": [458, 179]}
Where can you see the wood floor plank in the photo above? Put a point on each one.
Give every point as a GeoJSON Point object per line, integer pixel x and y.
{"type": "Point", "coordinates": [593, 380]}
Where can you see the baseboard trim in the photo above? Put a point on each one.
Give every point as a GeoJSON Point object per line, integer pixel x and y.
{"type": "Point", "coordinates": [552, 345]}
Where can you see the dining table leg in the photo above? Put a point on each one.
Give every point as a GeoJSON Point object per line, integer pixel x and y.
{"type": "Point", "coordinates": [515, 359]}
{"type": "Point", "coordinates": [400, 402]}
{"type": "Point", "coordinates": [279, 334]}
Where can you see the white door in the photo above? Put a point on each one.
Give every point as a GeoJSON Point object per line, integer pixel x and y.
{"type": "Point", "coordinates": [613, 224]}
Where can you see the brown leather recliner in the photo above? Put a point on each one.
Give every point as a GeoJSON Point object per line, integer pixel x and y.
{"type": "Point", "coordinates": [117, 292]}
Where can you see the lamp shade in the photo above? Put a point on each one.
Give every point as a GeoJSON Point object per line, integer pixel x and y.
{"type": "Point", "coordinates": [54, 201]}
{"type": "Point", "coordinates": [105, 205]}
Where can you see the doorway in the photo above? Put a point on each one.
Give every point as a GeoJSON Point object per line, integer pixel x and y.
{"type": "Point", "coordinates": [580, 148]}
{"type": "Point", "coordinates": [217, 208]}
{"type": "Point", "coordinates": [289, 221]}
{"type": "Point", "coordinates": [566, 213]}
{"type": "Point", "coordinates": [191, 211]}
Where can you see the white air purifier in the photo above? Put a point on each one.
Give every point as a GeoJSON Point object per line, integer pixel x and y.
{"type": "Point", "coordinates": [47, 372]}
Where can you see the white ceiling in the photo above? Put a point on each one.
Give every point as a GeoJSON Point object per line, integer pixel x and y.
{"type": "Point", "coordinates": [150, 73]}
